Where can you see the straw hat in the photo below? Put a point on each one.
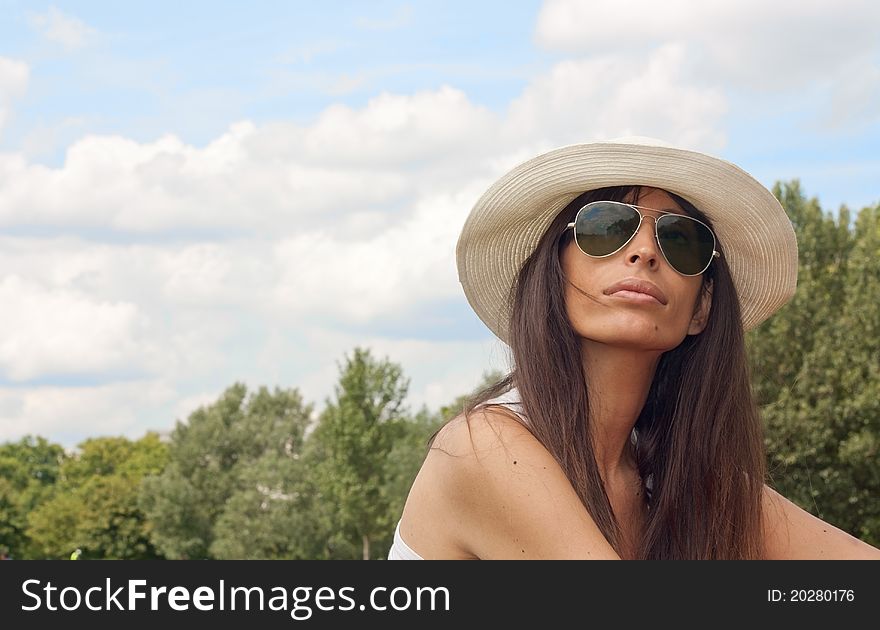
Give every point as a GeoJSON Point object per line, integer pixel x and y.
{"type": "Point", "coordinates": [504, 226]}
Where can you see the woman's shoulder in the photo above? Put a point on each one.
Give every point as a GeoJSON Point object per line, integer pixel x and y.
{"type": "Point", "coordinates": [473, 454]}
{"type": "Point", "coordinates": [497, 492]}
{"type": "Point", "coordinates": [438, 518]}
{"type": "Point", "coordinates": [486, 427]}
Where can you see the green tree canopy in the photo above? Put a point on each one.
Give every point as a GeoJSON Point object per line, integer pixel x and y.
{"type": "Point", "coordinates": [94, 504]}
{"type": "Point", "coordinates": [817, 370]}
{"type": "Point", "coordinates": [349, 452]}
{"type": "Point", "coordinates": [209, 461]}
{"type": "Point", "coordinates": [28, 471]}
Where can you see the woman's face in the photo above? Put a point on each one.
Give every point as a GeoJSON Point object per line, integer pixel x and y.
{"type": "Point", "coordinates": [628, 319]}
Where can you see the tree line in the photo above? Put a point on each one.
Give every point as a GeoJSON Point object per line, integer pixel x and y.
{"type": "Point", "coordinates": [251, 476]}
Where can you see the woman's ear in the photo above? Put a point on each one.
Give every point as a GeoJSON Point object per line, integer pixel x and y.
{"type": "Point", "coordinates": [701, 312]}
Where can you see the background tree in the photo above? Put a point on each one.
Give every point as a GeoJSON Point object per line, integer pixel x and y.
{"type": "Point", "coordinates": [273, 515]}
{"type": "Point", "coordinates": [28, 471]}
{"type": "Point", "coordinates": [94, 504]}
{"type": "Point", "coordinates": [349, 451]}
{"type": "Point", "coordinates": [209, 461]}
{"type": "Point", "coordinates": [777, 348]}
{"type": "Point", "coordinates": [824, 429]}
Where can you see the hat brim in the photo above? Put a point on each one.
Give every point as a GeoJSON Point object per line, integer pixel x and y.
{"type": "Point", "coordinates": [505, 225]}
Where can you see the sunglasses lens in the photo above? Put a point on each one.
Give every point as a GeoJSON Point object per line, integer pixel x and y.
{"type": "Point", "coordinates": [687, 244]}
{"type": "Point", "coordinates": [603, 227]}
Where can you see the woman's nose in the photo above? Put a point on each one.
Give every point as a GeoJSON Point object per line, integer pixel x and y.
{"type": "Point", "coordinates": [643, 246]}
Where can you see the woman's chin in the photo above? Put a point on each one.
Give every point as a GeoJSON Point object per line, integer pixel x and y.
{"type": "Point", "coordinates": [647, 336]}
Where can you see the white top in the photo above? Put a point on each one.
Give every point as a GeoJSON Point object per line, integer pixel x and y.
{"type": "Point", "coordinates": [509, 399]}
{"type": "Point", "coordinates": [400, 550]}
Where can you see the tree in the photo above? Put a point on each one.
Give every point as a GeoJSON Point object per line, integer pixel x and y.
{"type": "Point", "coordinates": [350, 448]}
{"type": "Point", "coordinates": [778, 346]}
{"type": "Point", "coordinates": [273, 514]}
{"type": "Point", "coordinates": [28, 471]}
{"type": "Point", "coordinates": [815, 369]}
{"type": "Point", "coordinates": [94, 504]}
{"type": "Point", "coordinates": [825, 429]}
{"type": "Point", "coordinates": [209, 461]}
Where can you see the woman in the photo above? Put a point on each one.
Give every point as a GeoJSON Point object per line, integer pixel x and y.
{"type": "Point", "coordinates": [627, 427]}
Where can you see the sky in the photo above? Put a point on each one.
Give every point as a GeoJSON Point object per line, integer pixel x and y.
{"type": "Point", "coordinates": [194, 194]}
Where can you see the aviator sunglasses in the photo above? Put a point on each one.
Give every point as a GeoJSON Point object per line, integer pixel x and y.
{"type": "Point", "coordinates": [602, 228]}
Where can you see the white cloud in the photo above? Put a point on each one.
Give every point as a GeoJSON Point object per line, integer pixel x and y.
{"type": "Point", "coordinates": [13, 83]}
{"type": "Point", "coordinates": [70, 414]}
{"type": "Point", "coordinates": [59, 332]}
{"type": "Point", "coordinates": [402, 130]}
{"type": "Point", "coordinates": [220, 259]}
{"type": "Point", "coordinates": [438, 372]}
{"type": "Point", "coordinates": [609, 96]}
{"type": "Point", "coordinates": [215, 274]}
{"type": "Point", "coordinates": [271, 179]}
{"type": "Point", "coordinates": [72, 307]}
{"type": "Point", "coordinates": [855, 95]}
{"type": "Point", "coordinates": [109, 181]}
{"type": "Point", "coordinates": [607, 26]}
{"type": "Point", "coordinates": [356, 279]}
{"type": "Point", "coordinates": [377, 160]}
{"type": "Point", "coordinates": [751, 43]}
{"type": "Point", "coordinates": [350, 164]}
{"type": "Point", "coordinates": [353, 218]}
{"type": "Point", "coordinates": [60, 28]}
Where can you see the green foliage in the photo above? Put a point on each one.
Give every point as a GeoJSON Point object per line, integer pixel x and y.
{"type": "Point", "coordinates": [28, 471]}
{"type": "Point", "coordinates": [349, 451]}
{"type": "Point", "coordinates": [778, 346]}
{"type": "Point", "coordinates": [94, 504]}
{"type": "Point", "coordinates": [208, 479]}
{"type": "Point", "coordinates": [272, 515]}
{"type": "Point", "coordinates": [816, 370]}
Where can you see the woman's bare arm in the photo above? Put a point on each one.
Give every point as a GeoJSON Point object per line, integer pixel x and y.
{"type": "Point", "coordinates": [791, 533]}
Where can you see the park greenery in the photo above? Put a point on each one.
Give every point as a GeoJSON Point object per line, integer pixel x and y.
{"type": "Point", "coordinates": [259, 475]}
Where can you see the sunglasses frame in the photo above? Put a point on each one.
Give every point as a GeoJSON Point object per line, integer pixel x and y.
{"type": "Point", "coordinates": [663, 213]}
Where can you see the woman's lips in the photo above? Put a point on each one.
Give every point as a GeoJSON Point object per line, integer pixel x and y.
{"type": "Point", "coordinates": [635, 296]}
{"type": "Point", "coordinates": [638, 290]}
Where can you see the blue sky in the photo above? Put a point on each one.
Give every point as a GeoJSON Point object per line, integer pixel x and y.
{"type": "Point", "coordinates": [191, 68]}
{"type": "Point", "coordinates": [197, 193]}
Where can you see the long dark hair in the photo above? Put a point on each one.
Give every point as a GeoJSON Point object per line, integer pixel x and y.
{"type": "Point", "coordinates": [699, 434]}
